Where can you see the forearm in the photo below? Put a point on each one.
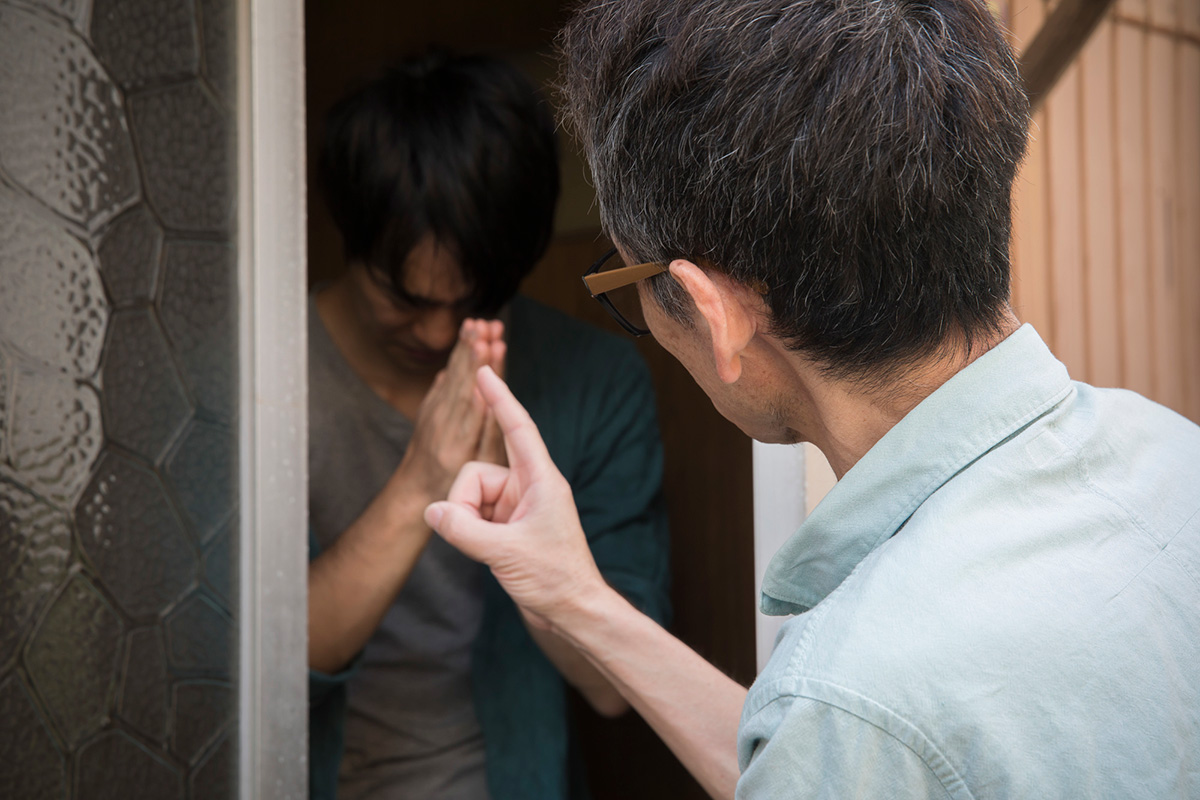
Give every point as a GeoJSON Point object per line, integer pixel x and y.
{"type": "Point", "coordinates": [580, 672]}
{"type": "Point", "coordinates": [352, 584]}
{"type": "Point", "coordinates": [691, 704]}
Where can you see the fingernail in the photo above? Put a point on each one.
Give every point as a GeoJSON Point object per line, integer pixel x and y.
{"type": "Point", "coordinates": [433, 514]}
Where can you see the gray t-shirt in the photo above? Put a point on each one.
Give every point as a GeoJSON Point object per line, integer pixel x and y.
{"type": "Point", "coordinates": [411, 729]}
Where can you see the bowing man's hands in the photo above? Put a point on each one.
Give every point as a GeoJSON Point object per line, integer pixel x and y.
{"type": "Point", "coordinates": [520, 519]}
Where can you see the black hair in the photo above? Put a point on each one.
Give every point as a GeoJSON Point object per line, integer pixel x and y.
{"type": "Point", "coordinates": [855, 157]}
{"type": "Point", "coordinates": [459, 147]}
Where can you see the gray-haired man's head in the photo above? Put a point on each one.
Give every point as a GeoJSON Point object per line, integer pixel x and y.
{"type": "Point", "coordinates": [855, 157]}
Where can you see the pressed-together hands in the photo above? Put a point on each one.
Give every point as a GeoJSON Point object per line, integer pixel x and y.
{"type": "Point", "coordinates": [454, 424]}
{"type": "Point", "coordinates": [520, 520]}
{"type": "Point", "coordinates": [352, 584]}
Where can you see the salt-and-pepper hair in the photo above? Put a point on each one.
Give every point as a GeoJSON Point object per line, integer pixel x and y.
{"type": "Point", "coordinates": [855, 156]}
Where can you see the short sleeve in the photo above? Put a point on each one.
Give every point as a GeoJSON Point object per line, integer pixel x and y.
{"type": "Point", "coordinates": [803, 749]}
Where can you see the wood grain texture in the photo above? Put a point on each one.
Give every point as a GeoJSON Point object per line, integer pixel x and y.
{"type": "Point", "coordinates": [1120, 221]}
{"type": "Point", "coordinates": [1057, 44]}
{"type": "Point", "coordinates": [1135, 10]}
{"type": "Point", "coordinates": [1187, 227]}
{"type": "Point", "coordinates": [1030, 247]}
{"type": "Point", "coordinates": [1103, 319]}
{"type": "Point", "coordinates": [1164, 14]}
{"type": "Point", "coordinates": [1189, 23]}
{"type": "Point", "coordinates": [1067, 282]}
{"type": "Point", "coordinates": [1133, 262]}
{"type": "Point", "coordinates": [1165, 268]}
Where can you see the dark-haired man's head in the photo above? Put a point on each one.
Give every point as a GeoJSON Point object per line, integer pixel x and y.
{"type": "Point", "coordinates": [442, 177]}
{"type": "Point", "coordinates": [853, 159]}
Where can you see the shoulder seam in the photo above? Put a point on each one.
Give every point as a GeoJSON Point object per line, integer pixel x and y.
{"type": "Point", "coordinates": [908, 735]}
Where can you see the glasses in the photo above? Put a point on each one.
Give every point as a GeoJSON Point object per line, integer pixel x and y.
{"type": "Point", "coordinates": [615, 286]}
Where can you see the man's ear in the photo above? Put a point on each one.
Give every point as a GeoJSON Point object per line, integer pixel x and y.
{"type": "Point", "coordinates": [731, 324]}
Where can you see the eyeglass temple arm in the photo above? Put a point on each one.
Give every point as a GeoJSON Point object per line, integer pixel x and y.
{"type": "Point", "coordinates": [601, 282]}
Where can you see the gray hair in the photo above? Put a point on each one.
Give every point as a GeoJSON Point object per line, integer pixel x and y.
{"type": "Point", "coordinates": [856, 157]}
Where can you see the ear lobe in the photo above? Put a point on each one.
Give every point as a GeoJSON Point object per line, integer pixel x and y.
{"type": "Point", "coordinates": [730, 325]}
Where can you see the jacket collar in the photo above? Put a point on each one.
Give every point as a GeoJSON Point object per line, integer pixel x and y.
{"type": "Point", "coordinates": [993, 398]}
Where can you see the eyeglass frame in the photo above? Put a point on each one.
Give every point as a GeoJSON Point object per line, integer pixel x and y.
{"type": "Point", "coordinates": [600, 283]}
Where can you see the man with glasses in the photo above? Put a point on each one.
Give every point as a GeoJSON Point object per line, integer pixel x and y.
{"type": "Point", "coordinates": [442, 177]}
{"type": "Point", "coordinates": [999, 598]}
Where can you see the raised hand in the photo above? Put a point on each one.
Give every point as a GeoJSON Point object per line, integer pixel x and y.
{"type": "Point", "coordinates": [520, 520]}
{"type": "Point", "coordinates": [491, 444]}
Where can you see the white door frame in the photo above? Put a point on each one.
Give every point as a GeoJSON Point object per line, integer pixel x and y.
{"type": "Point", "coordinates": [272, 281]}
{"type": "Point", "coordinates": [789, 481]}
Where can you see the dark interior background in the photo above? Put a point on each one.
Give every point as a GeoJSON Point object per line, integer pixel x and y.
{"type": "Point", "coordinates": [707, 472]}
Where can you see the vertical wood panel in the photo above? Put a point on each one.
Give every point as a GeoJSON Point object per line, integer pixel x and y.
{"type": "Point", "coordinates": [1188, 220]}
{"type": "Point", "coordinates": [1099, 201]}
{"type": "Point", "coordinates": [1166, 322]}
{"type": "Point", "coordinates": [1067, 284]}
{"type": "Point", "coordinates": [1133, 9]}
{"type": "Point", "coordinates": [1030, 254]}
{"type": "Point", "coordinates": [1189, 23]}
{"type": "Point", "coordinates": [1132, 216]}
{"type": "Point", "coordinates": [1163, 14]}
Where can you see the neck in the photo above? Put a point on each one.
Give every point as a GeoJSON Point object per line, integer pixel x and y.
{"type": "Point", "coordinates": [845, 420]}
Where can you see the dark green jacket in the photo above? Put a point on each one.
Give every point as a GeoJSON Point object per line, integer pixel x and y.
{"type": "Point", "coordinates": [590, 394]}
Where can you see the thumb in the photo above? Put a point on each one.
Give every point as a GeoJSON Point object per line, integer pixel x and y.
{"type": "Point", "coordinates": [463, 528]}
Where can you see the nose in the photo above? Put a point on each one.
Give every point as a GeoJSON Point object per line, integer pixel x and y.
{"type": "Point", "coordinates": [437, 329]}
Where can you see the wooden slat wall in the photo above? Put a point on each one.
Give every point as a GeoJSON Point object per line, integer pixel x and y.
{"type": "Point", "coordinates": [1106, 234]}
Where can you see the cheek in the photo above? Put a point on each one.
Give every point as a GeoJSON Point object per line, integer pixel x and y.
{"type": "Point", "coordinates": [385, 314]}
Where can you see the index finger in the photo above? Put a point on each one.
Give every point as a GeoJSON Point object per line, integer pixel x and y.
{"type": "Point", "coordinates": [526, 451]}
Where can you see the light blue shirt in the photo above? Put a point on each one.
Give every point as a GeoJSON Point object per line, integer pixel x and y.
{"type": "Point", "coordinates": [1000, 600]}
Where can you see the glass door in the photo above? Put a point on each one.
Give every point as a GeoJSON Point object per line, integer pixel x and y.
{"type": "Point", "coordinates": [142, 429]}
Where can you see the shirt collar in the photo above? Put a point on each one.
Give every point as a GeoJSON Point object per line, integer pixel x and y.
{"type": "Point", "coordinates": [997, 395]}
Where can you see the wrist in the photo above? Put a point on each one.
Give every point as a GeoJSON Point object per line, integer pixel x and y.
{"type": "Point", "coordinates": [584, 610]}
{"type": "Point", "coordinates": [405, 497]}
{"type": "Point", "coordinates": [409, 489]}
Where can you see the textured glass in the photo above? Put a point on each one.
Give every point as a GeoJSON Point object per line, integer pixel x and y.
{"type": "Point", "coordinates": [219, 572]}
{"type": "Point", "coordinates": [31, 767]}
{"type": "Point", "coordinates": [5, 401]}
{"type": "Point", "coordinates": [52, 307]}
{"type": "Point", "coordinates": [129, 257]}
{"type": "Point", "coordinates": [35, 546]}
{"type": "Point", "coordinates": [203, 711]}
{"type": "Point", "coordinates": [63, 135]}
{"type": "Point", "coordinates": [145, 404]}
{"type": "Point", "coordinates": [144, 687]}
{"type": "Point", "coordinates": [118, 366]}
{"type": "Point", "coordinates": [72, 659]}
{"type": "Point", "coordinates": [54, 432]}
{"type": "Point", "coordinates": [212, 779]}
{"type": "Point", "coordinates": [186, 147]}
{"type": "Point", "coordinates": [202, 471]}
{"type": "Point", "coordinates": [116, 767]}
{"type": "Point", "coordinates": [133, 538]}
{"type": "Point", "coordinates": [144, 41]}
{"type": "Point", "coordinates": [199, 638]}
{"type": "Point", "coordinates": [198, 313]}
{"type": "Point", "coordinates": [74, 11]}
{"type": "Point", "coordinates": [219, 35]}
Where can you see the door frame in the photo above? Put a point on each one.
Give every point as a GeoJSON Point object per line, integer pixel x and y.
{"type": "Point", "coordinates": [273, 401]}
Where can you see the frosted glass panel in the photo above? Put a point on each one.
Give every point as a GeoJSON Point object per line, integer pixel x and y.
{"type": "Point", "coordinates": [118, 399]}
